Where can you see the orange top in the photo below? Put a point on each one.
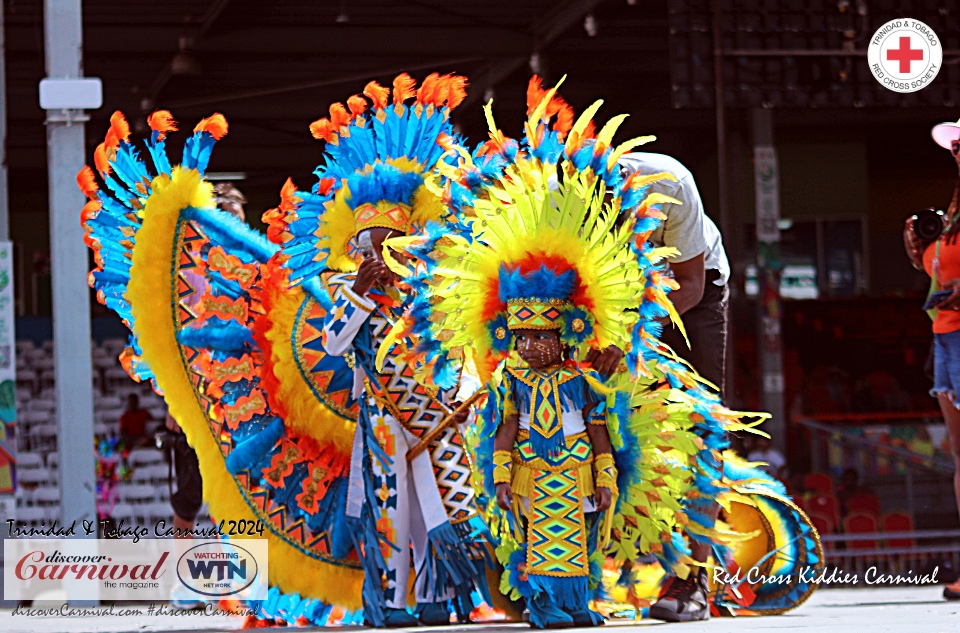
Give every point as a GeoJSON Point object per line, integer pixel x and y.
{"type": "Point", "coordinates": [947, 320]}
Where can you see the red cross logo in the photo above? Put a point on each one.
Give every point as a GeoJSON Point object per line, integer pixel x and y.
{"type": "Point", "coordinates": [905, 54]}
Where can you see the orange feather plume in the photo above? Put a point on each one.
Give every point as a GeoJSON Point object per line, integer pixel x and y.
{"type": "Point", "coordinates": [357, 105]}
{"type": "Point", "coordinates": [446, 141]}
{"type": "Point", "coordinates": [458, 91]}
{"type": "Point", "coordinates": [377, 93]}
{"type": "Point", "coordinates": [89, 211]}
{"type": "Point", "coordinates": [162, 122]}
{"type": "Point", "coordinates": [535, 93]}
{"type": "Point", "coordinates": [323, 129]}
{"type": "Point", "coordinates": [403, 88]}
{"type": "Point", "coordinates": [288, 197]}
{"type": "Point", "coordinates": [428, 89]}
{"type": "Point", "coordinates": [119, 128]}
{"type": "Point", "coordinates": [339, 116]}
{"type": "Point", "coordinates": [87, 182]}
{"type": "Point", "coordinates": [215, 125]}
{"type": "Point", "coordinates": [325, 186]}
{"type": "Point", "coordinates": [442, 91]}
{"type": "Point", "coordinates": [564, 120]}
{"type": "Point", "coordinates": [100, 159]}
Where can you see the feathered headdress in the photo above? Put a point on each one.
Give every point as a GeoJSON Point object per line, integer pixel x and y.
{"type": "Point", "coordinates": [376, 172]}
{"type": "Point", "coordinates": [543, 250]}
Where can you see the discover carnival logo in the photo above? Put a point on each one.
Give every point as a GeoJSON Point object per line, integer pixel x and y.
{"type": "Point", "coordinates": [127, 569]}
{"type": "Point", "coordinates": [905, 55]}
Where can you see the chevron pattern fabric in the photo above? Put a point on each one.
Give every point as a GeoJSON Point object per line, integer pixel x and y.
{"type": "Point", "coordinates": [556, 529]}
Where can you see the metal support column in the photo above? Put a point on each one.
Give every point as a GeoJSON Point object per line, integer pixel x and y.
{"type": "Point", "coordinates": [4, 197]}
{"type": "Point", "coordinates": [769, 266]}
{"type": "Point", "coordinates": [68, 262]}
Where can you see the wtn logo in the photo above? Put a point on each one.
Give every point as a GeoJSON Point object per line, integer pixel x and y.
{"type": "Point", "coordinates": [224, 569]}
{"type": "Point", "coordinates": [217, 569]}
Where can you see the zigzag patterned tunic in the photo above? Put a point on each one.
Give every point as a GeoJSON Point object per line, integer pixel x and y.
{"type": "Point", "coordinates": [423, 503]}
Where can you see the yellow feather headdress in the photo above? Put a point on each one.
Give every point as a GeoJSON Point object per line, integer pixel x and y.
{"type": "Point", "coordinates": [541, 249]}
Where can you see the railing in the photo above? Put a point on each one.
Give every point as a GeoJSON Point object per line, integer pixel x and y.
{"type": "Point", "coordinates": [912, 463]}
{"type": "Point", "coordinates": [881, 565]}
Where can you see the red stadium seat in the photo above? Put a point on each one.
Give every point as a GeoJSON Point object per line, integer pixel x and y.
{"type": "Point", "coordinates": [868, 503]}
{"type": "Point", "coordinates": [897, 522]}
{"type": "Point", "coordinates": [861, 523]}
{"type": "Point", "coordinates": [824, 525]}
{"type": "Point", "coordinates": [824, 505]}
{"type": "Point", "coordinates": [819, 483]}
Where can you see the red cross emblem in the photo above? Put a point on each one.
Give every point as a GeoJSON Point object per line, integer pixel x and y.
{"type": "Point", "coordinates": [905, 54]}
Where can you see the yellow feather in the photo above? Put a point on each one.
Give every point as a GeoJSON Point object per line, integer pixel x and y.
{"type": "Point", "coordinates": [305, 414]}
{"type": "Point", "coordinates": [606, 134]}
{"type": "Point", "coordinates": [627, 146]}
{"type": "Point", "coordinates": [151, 296]}
{"type": "Point", "coordinates": [584, 120]}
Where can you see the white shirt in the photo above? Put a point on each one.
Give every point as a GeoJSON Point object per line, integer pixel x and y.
{"type": "Point", "coordinates": [774, 459]}
{"type": "Point", "coordinates": [687, 228]}
{"type": "Point", "coordinates": [572, 420]}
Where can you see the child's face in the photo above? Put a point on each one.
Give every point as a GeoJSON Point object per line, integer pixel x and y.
{"type": "Point", "coordinates": [539, 348]}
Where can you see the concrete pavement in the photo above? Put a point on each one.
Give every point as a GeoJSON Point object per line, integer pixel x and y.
{"type": "Point", "coordinates": [875, 610]}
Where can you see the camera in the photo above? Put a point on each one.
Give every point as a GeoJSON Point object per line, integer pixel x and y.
{"type": "Point", "coordinates": [928, 225]}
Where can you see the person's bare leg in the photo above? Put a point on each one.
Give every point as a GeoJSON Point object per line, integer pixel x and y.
{"type": "Point", "coordinates": [951, 415]}
{"type": "Point", "coordinates": [701, 552]}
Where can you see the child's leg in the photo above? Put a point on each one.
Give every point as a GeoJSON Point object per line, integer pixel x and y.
{"type": "Point", "coordinates": [394, 504]}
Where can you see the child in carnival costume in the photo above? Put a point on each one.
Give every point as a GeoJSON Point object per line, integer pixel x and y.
{"type": "Point", "coordinates": [382, 160]}
{"type": "Point", "coordinates": [229, 325]}
{"type": "Point", "coordinates": [540, 276]}
{"type": "Point", "coordinates": [543, 248]}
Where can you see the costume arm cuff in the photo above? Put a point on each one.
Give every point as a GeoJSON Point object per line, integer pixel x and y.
{"type": "Point", "coordinates": [605, 472]}
{"type": "Point", "coordinates": [501, 466]}
{"type": "Point", "coordinates": [363, 303]}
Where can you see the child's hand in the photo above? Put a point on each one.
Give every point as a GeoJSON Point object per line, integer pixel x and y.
{"type": "Point", "coordinates": [602, 498]}
{"type": "Point", "coordinates": [505, 496]}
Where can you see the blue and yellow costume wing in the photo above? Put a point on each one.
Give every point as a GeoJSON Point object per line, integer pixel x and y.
{"type": "Point", "coordinates": [236, 355]}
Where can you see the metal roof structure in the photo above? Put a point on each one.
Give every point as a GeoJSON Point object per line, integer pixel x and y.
{"type": "Point", "coordinates": [272, 68]}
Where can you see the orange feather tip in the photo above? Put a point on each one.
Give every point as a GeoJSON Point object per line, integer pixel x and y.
{"type": "Point", "coordinates": [323, 129]}
{"type": "Point", "coordinates": [119, 128]}
{"type": "Point", "coordinates": [377, 94]}
{"type": "Point", "coordinates": [100, 159]}
{"type": "Point", "coordinates": [446, 141]}
{"type": "Point", "coordinates": [535, 93]}
{"type": "Point", "coordinates": [428, 89]}
{"type": "Point", "coordinates": [215, 125]}
{"type": "Point", "coordinates": [339, 116]}
{"type": "Point", "coordinates": [162, 122]}
{"type": "Point", "coordinates": [288, 196]}
{"type": "Point", "coordinates": [403, 88]}
{"type": "Point", "coordinates": [325, 186]}
{"type": "Point", "coordinates": [357, 105]}
{"type": "Point", "coordinates": [458, 91]}
{"type": "Point", "coordinates": [89, 211]}
{"type": "Point", "coordinates": [87, 182]}
{"type": "Point", "coordinates": [564, 120]}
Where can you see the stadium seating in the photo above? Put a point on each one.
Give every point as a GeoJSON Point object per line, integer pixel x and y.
{"type": "Point", "coordinates": [144, 497]}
